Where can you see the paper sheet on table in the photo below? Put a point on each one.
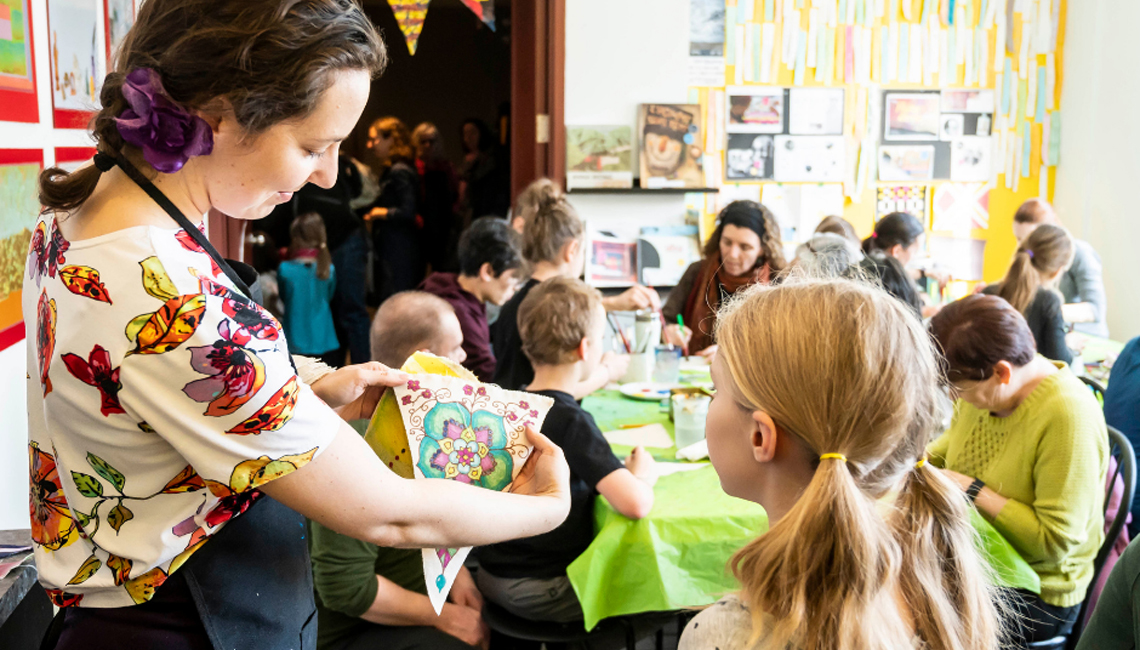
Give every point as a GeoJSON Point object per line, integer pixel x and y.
{"type": "Point", "coordinates": [665, 469]}
{"type": "Point", "coordinates": [696, 451]}
{"type": "Point", "coordinates": [650, 435]}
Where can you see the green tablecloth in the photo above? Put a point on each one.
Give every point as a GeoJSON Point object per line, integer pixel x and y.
{"type": "Point", "coordinates": [677, 556]}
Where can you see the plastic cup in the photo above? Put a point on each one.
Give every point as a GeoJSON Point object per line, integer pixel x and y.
{"type": "Point", "coordinates": [689, 415]}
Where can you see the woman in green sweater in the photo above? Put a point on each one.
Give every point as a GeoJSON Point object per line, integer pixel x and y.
{"type": "Point", "coordinates": [1028, 446]}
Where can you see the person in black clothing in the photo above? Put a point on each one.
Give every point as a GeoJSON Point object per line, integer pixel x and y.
{"type": "Point", "coordinates": [349, 247]}
{"type": "Point", "coordinates": [439, 191]}
{"type": "Point", "coordinates": [399, 262]}
{"type": "Point", "coordinates": [482, 190]}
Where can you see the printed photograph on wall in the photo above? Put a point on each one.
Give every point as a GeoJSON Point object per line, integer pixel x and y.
{"type": "Point", "coordinates": [906, 163]}
{"type": "Point", "coordinates": [970, 159]}
{"type": "Point", "coordinates": [611, 258]}
{"type": "Point", "coordinates": [749, 157]}
{"type": "Point", "coordinates": [17, 63]}
{"type": "Point", "coordinates": [755, 110]}
{"type": "Point", "coordinates": [671, 145]}
{"type": "Point", "coordinates": [815, 111]}
{"type": "Point", "coordinates": [912, 116]}
{"type": "Point", "coordinates": [76, 61]}
{"type": "Point", "coordinates": [953, 126]}
{"type": "Point", "coordinates": [599, 156]}
{"type": "Point", "coordinates": [809, 159]}
{"type": "Point", "coordinates": [120, 16]}
{"type": "Point", "coordinates": [19, 209]}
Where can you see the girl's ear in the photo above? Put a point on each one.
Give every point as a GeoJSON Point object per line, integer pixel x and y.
{"type": "Point", "coordinates": [570, 250]}
{"type": "Point", "coordinates": [764, 437]}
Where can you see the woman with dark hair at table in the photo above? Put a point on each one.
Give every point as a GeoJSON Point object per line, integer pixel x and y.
{"type": "Point", "coordinates": [1028, 446]}
{"type": "Point", "coordinates": [745, 249]}
{"type": "Point", "coordinates": [399, 262]}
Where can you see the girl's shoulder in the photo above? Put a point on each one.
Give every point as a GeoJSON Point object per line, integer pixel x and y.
{"type": "Point", "coordinates": [726, 625]}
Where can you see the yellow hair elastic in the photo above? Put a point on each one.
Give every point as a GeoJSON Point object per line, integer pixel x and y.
{"type": "Point", "coordinates": [920, 463]}
{"type": "Point", "coordinates": [833, 456]}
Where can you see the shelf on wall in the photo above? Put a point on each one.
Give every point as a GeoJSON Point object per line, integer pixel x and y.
{"type": "Point", "coordinates": [643, 190]}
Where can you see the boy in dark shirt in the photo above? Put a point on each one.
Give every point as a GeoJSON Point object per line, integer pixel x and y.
{"type": "Point", "coordinates": [562, 323]}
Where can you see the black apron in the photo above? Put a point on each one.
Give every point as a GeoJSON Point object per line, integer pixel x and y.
{"type": "Point", "coordinates": [251, 584]}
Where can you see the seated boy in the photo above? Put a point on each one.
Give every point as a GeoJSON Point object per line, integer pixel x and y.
{"type": "Point", "coordinates": [554, 246]}
{"type": "Point", "coordinates": [370, 597]}
{"type": "Point", "coordinates": [489, 258]}
{"type": "Point", "coordinates": [562, 323]}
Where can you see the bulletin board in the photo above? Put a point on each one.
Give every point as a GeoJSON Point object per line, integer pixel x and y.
{"type": "Point", "coordinates": [957, 52]}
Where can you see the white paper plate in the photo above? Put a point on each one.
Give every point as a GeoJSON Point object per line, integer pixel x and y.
{"type": "Point", "coordinates": [646, 390]}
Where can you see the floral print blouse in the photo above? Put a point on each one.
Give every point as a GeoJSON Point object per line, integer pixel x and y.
{"type": "Point", "coordinates": [159, 400]}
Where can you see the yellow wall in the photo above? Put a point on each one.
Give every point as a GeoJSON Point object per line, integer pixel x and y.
{"type": "Point", "coordinates": [1002, 201]}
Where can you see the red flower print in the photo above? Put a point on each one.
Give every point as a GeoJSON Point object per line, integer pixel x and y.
{"type": "Point", "coordinates": [481, 392]}
{"type": "Point", "coordinates": [413, 385]}
{"type": "Point", "coordinates": [52, 525]}
{"type": "Point", "coordinates": [231, 506]}
{"type": "Point", "coordinates": [468, 390]}
{"type": "Point", "coordinates": [406, 400]}
{"type": "Point", "coordinates": [236, 374]}
{"type": "Point", "coordinates": [45, 338]}
{"type": "Point", "coordinates": [534, 414]}
{"type": "Point", "coordinates": [426, 394]}
{"type": "Point", "coordinates": [46, 252]}
{"type": "Point", "coordinates": [512, 417]}
{"type": "Point", "coordinates": [212, 288]}
{"type": "Point", "coordinates": [61, 598]}
{"type": "Point", "coordinates": [189, 244]}
{"type": "Point", "coordinates": [252, 321]}
{"type": "Point", "coordinates": [524, 405]}
{"type": "Point", "coordinates": [97, 372]}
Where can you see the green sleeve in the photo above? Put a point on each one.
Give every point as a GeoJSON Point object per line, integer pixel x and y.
{"type": "Point", "coordinates": [344, 571]}
{"type": "Point", "coordinates": [1115, 623]}
{"type": "Point", "coordinates": [937, 450]}
{"type": "Point", "coordinates": [1068, 490]}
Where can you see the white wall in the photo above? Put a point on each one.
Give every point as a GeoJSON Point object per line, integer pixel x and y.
{"type": "Point", "coordinates": [1100, 146]}
{"type": "Point", "coordinates": [621, 53]}
{"type": "Point", "coordinates": [13, 362]}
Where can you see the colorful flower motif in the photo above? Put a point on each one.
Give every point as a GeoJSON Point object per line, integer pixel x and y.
{"type": "Point", "coordinates": [445, 555]}
{"type": "Point", "coordinates": [45, 338]}
{"type": "Point", "coordinates": [468, 390]}
{"type": "Point", "coordinates": [97, 371]}
{"type": "Point", "coordinates": [236, 374]}
{"type": "Point", "coordinates": [275, 414]}
{"type": "Point", "coordinates": [524, 405]}
{"type": "Point", "coordinates": [61, 598]}
{"type": "Point", "coordinates": [407, 400]}
{"type": "Point", "coordinates": [252, 322]}
{"type": "Point", "coordinates": [413, 385]}
{"type": "Point", "coordinates": [534, 414]}
{"type": "Point", "coordinates": [45, 254]}
{"type": "Point", "coordinates": [52, 525]}
{"type": "Point", "coordinates": [481, 392]}
{"type": "Point", "coordinates": [189, 244]}
{"type": "Point", "coordinates": [84, 281]}
{"type": "Point", "coordinates": [426, 394]}
{"type": "Point", "coordinates": [512, 417]}
{"type": "Point", "coordinates": [465, 446]}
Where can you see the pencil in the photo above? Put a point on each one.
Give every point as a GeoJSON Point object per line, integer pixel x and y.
{"type": "Point", "coordinates": [617, 330]}
{"type": "Point", "coordinates": [681, 323]}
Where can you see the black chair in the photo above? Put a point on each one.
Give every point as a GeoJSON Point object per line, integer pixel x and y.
{"type": "Point", "coordinates": [1120, 449]}
{"type": "Point", "coordinates": [1096, 387]}
{"type": "Point", "coordinates": [516, 627]}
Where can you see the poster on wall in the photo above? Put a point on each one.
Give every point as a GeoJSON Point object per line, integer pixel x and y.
{"type": "Point", "coordinates": [665, 253]}
{"type": "Point", "coordinates": [76, 61]}
{"type": "Point", "coordinates": [967, 101]}
{"type": "Point", "coordinates": [961, 207]}
{"type": "Point", "coordinates": [912, 116]}
{"type": "Point", "coordinates": [755, 110]}
{"type": "Point", "coordinates": [906, 163]}
{"type": "Point", "coordinates": [17, 63]}
{"type": "Point", "coordinates": [599, 156]}
{"type": "Point", "coordinates": [748, 157]}
{"type": "Point", "coordinates": [706, 43]}
{"type": "Point", "coordinates": [611, 258]}
{"type": "Point", "coordinates": [816, 111]}
{"type": "Point", "coordinates": [970, 159]}
{"type": "Point", "coordinates": [902, 198]}
{"type": "Point", "coordinates": [671, 151]}
{"type": "Point", "coordinates": [120, 16]}
{"type": "Point", "coordinates": [19, 209]}
{"type": "Point", "coordinates": [809, 159]}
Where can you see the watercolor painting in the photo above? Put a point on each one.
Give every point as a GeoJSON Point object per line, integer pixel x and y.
{"type": "Point", "coordinates": [912, 116]}
{"type": "Point", "coordinates": [120, 17]}
{"type": "Point", "coordinates": [76, 62]}
{"type": "Point", "coordinates": [410, 15]}
{"type": "Point", "coordinates": [17, 63]}
{"type": "Point", "coordinates": [19, 209]}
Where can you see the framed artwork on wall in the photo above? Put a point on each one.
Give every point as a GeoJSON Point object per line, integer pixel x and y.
{"type": "Point", "coordinates": [18, 101]}
{"type": "Point", "coordinates": [120, 16]}
{"type": "Point", "coordinates": [19, 209]}
{"type": "Point", "coordinates": [72, 158]}
{"type": "Point", "coordinates": [77, 62]}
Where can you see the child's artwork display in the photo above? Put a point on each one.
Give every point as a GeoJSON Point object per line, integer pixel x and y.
{"type": "Point", "coordinates": [810, 159]}
{"type": "Point", "coordinates": [953, 126]}
{"type": "Point", "coordinates": [410, 15]}
{"type": "Point", "coordinates": [484, 9]}
{"type": "Point", "coordinates": [706, 42]}
{"type": "Point", "coordinates": [454, 428]}
{"type": "Point", "coordinates": [664, 253]}
{"type": "Point", "coordinates": [120, 16]}
{"type": "Point", "coordinates": [816, 111]}
{"type": "Point", "coordinates": [671, 145]}
{"type": "Point", "coordinates": [611, 259]}
{"type": "Point", "coordinates": [76, 61]}
{"type": "Point", "coordinates": [749, 157]}
{"type": "Point", "coordinates": [755, 110]}
{"type": "Point", "coordinates": [967, 101]}
{"type": "Point", "coordinates": [17, 63]}
{"type": "Point", "coordinates": [912, 116]}
{"type": "Point", "coordinates": [902, 198]}
{"type": "Point", "coordinates": [19, 209]}
{"type": "Point", "coordinates": [970, 159]}
{"type": "Point", "coordinates": [961, 207]}
{"type": "Point", "coordinates": [906, 163]}
{"type": "Point", "coordinates": [599, 156]}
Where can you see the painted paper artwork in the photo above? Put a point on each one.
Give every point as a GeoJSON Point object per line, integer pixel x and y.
{"type": "Point", "coordinates": [599, 156]}
{"type": "Point", "coordinates": [912, 116]}
{"type": "Point", "coordinates": [120, 16]}
{"type": "Point", "coordinates": [960, 207]}
{"type": "Point", "coordinates": [970, 159]}
{"type": "Point", "coordinates": [484, 9]}
{"type": "Point", "coordinates": [611, 259]}
{"type": "Point", "coordinates": [19, 209]}
{"type": "Point", "coordinates": [706, 28]}
{"type": "Point", "coordinates": [410, 15]}
{"type": "Point", "coordinates": [906, 163]}
{"type": "Point", "coordinates": [810, 159]}
{"type": "Point", "coordinates": [749, 157]}
{"type": "Point", "coordinates": [967, 101]}
{"type": "Point", "coordinates": [665, 252]}
{"type": "Point", "coordinates": [461, 430]}
{"type": "Point", "coordinates": [76, 62]}
{"type": "Point", "coordinates": [17, 65]}
{"type": "Point", "coordinates": [755, 110]}
{"type": "Point", "coordinates": [671, 145]}
{"type": "Point", "coordinates": [815, 111]}
{"type": "Point", "coordinates": [902, 198]}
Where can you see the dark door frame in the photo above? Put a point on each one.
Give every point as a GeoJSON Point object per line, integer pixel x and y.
{"type": "Point", "coordinates": [538, 66]}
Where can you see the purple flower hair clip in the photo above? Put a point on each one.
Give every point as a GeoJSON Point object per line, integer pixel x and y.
{"type": "Point", "coordinates": [167, 134]}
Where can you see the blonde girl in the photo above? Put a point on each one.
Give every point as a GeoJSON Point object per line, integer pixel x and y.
{"type": "Point", "coordinates": [827, 394]}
